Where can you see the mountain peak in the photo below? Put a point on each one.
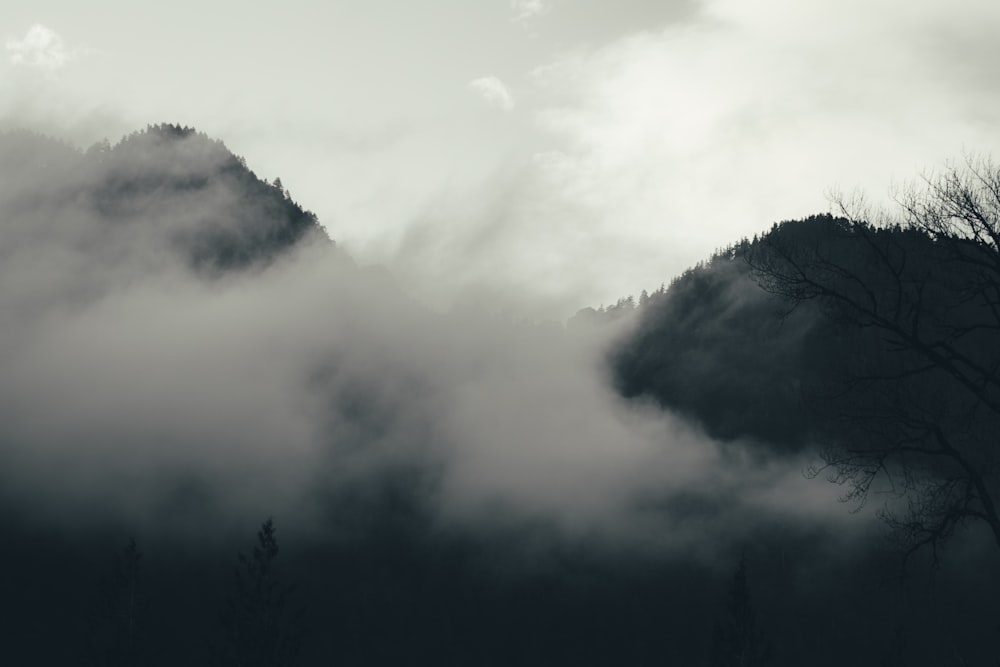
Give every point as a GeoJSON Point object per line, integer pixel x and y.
{"type": "Point", "coordinates": [167, 182]}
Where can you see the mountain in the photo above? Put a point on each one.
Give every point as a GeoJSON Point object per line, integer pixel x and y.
{"type": "Point", "coordinates": [718, 348]}
{"type": "Point", "coordinates": [871, 348]}
{"type": "Point", "coordinates": [166, 187]}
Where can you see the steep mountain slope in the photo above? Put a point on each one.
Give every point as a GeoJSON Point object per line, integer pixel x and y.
{"type": "Point", "coordinates": [718, 348]}
{"type": "Point", "coordinates": [166, 187]}
{"type": "Point", "coordinates": [876, 344]}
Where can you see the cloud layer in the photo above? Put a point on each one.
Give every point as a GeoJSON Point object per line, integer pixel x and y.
{"type": "Point", "coordinates": [135, 388]}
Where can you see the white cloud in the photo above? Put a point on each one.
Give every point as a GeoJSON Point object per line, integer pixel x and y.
{"type": "Point", "coordinates": [528, 9]}
{"type": "Point", "coordinates": [677, 141]}
{"type": "Point", "coordinates": [494, 91]}
{"type": "Point", "coordinates": [40, 47]}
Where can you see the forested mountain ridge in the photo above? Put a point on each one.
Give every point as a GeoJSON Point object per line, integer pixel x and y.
{"type": "Point", "coordinates": [875, 344]}
{"type": "Point", "coordinates": [718, 348]}
{"type": "Point", "coordinates": [204, 201]}
{"type": "Point", "coordinates": [746, 361]}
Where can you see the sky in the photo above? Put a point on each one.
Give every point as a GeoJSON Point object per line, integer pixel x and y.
{"type": "Point", "coordinates": [543, 155]}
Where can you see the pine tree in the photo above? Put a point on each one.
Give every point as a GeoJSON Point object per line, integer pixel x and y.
{"type": "Point", "coordinates": [736, 639]}
{"type": "Point", "coordinates": [258, 628]}
{"type": "Point", "coordinates": [280, 187]}
{"type": "Point", "coordinates": [117, 624]}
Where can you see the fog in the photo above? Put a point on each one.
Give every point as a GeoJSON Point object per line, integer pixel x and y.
{"type": "Point", "coordinates": [139, 388]}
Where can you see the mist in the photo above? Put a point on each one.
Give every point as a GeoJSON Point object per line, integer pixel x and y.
{"type": "Point", "coordinates": [184, 352]}
{"type": "Point", "coordinates": [136, 385]}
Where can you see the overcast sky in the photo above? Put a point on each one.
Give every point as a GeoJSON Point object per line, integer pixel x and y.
{"type": "Point", "coordinates": [549, 154]}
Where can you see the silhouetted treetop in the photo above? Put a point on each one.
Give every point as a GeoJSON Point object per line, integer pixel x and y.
{"type": "Point", "coordinates": [119, 619]}
{"type": "Point", "coordinates": [259, 627]}
{"type": "Point", "coordinates": [737, 641]}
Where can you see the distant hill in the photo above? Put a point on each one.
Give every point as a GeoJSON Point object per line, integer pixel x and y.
{"type": "Point", "coordinates": [746, 363]}
{"type": "Point", "coordinates": [208, 207]}
{"type": "Point", "coordinates": [715, 347]}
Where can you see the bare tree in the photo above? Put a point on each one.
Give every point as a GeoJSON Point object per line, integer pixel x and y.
{"type": "Point", "coordinates": [914, 294]}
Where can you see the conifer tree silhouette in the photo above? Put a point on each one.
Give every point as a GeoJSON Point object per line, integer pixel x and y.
{"type": "Point", "coordinates": [117, 623]}
{"type": "Point", "coordinates": [736, 639]}
{"type": "Point", "coordinates": [258, 628]}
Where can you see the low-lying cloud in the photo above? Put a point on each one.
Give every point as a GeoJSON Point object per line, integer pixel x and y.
{"type": "Point", "coordinates": [135, 388]}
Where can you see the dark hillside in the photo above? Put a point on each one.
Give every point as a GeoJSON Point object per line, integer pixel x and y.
{"type": "Point", "coordinates": [718, 348]}
{"type": "Point", "coordinates": [172, 182]}
{"type": "Point", "coordinates": [785, 365]}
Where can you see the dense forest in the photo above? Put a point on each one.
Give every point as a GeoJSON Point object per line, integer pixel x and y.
{"type": "Point", "coordinates": [874, 342]}
{"type": "Point", "coordinates": [193, 369]}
